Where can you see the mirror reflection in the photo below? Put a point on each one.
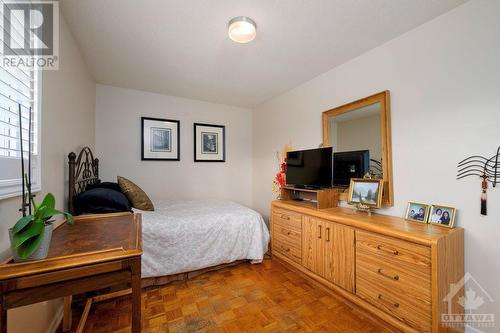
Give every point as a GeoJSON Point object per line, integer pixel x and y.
{"type": "Point", "coordinates": [358, 132]}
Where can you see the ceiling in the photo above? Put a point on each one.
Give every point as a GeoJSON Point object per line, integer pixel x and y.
{"type": "Point", "coordinates": [181, 48]}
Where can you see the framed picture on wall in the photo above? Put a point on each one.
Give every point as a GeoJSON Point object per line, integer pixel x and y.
{"type": "Point", "coordinates": [160, 139]}
{"type": "Point", "coordinates": [209, 143]}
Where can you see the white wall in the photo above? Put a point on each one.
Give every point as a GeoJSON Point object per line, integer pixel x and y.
{"type": "Point", "coordinates": [118, 145]}
{"type": "Point", "coordinates": [68, 103]}
{"type": "Point", "coordinates": [444, 78]}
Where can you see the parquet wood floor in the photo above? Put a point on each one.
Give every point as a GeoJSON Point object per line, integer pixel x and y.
{"type": "Point", "coordinates": [266, 297]}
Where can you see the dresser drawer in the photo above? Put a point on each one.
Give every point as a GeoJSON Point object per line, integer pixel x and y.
{"type": "Point", "coordinates": [412, 311]}
{"type": "Point", "coordinates": [287, 218]}
{"type": "Point", "coordinates": [287, 234]}
{"type": "Point", "coordinates": [288, 250]}
{"type": "Point", "coordinates": [403, 254]}
{"type": "Point", "coordinates": [407, 283]}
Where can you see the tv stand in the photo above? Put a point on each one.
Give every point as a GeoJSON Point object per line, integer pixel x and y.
{"type": "Point", "coordinates": [307, 187]}
{"type": "Point", "coordinates": [315, 198]}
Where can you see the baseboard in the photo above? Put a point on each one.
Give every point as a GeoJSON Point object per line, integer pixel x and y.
{"type": "Point", "coordinates": [56, 321]}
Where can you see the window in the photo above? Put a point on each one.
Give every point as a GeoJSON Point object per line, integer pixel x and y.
{"type": "Point", "coordinates": [18, 86]}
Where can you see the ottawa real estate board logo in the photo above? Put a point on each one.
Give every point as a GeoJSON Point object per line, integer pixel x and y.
{"type": "Point", "coordinates": [30, 34]}
{"type": "Point", "coordinates": [470, 297]}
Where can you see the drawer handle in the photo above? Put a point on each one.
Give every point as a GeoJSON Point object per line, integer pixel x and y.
{"type": "Point", "coordinates": [395, 277]}
{"type": "Point", "coordinates": [395, 252]}
{"type": "Point", "coordinates": [287, 249]}
{"type": "Point", "coordinates": [396, 305]}
{"type": "Point", "coordinates": [285, 232]}
{"type": "Point", "coordinates": [327, 234]}
{"type": "Point", "coordinates": [319, 228]}
{"type": "Point", "coordinates": [285, 217]}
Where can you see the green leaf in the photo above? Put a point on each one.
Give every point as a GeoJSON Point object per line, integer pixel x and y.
{"type": "Point", "coordinates": [49, 212]}
{"type": "Point", "coordinates": [30, 246]}
{"type": "Point", "coordinates": [49, 201]}
{"type": "Point", "coordinates": [23, 222]}
{"type": "Point", "coordinates": [38, 212]}
{"type": "Point", "coordinates": [69, 218]}
{"type": "Point", "coordinates": [34, 230]}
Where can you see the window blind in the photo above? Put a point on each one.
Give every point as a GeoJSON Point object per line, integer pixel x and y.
{"type": "Point", "coordinates": [18, 86]}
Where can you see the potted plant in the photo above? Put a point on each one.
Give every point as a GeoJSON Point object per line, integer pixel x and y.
{"type": "Point", "coordinates": [30, 237]}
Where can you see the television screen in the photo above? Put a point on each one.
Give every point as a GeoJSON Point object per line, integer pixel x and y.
{"type": "Point", "coordinates": [350, 164]}
{"type": "Point", "coordinates": [309, 168]}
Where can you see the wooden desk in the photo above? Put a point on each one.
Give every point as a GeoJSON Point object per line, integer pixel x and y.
{"type": "Point", "coordinates": [98, 251]}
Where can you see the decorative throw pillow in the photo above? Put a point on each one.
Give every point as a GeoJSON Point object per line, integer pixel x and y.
{"type": "Point", "coordinates": [101, 201]}
{"type": "Point", "coordinates": [108, 185]}
{"type": "Point", "coordinates": [135, 194]}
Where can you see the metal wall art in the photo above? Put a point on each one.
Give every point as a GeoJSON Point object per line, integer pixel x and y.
{"type": "Point", "coordinates": [485, 168]}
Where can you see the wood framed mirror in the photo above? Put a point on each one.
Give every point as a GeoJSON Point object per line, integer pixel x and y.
{"type": "Point", "coordinates": [364, 124]}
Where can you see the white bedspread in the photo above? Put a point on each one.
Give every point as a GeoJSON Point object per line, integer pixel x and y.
{"type": "Point", "coordinates": [186, 235]}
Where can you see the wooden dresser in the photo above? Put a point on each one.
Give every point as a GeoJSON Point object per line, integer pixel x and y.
{"type": "Point", "coordinates": [398, 270]}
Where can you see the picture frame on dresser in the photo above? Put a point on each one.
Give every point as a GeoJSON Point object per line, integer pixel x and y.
{"type": "Point", "coordinates": [160, 139]}
{"type": "Point", "coordinates": [442, 215]}
{"type": "Point", "coordinates": [417, 212]}
{"type": "Point", "coordinates": [209, 143]}
{"type": "Point", "coordinates": [366, 191]}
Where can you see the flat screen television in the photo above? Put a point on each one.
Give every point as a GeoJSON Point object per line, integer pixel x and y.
{"type": "Point", "coordinates": [350, 164]}
{"type": "Point", "coordinates": [309, 168]}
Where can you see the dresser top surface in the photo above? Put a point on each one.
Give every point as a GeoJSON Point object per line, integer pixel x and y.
{"type": "Point", "coordinates": [384, 224]}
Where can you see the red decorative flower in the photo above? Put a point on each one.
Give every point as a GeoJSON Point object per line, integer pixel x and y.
{"type": "Point", "coordinates": [280, 178]}
{"type": "Point", "coordinates": [283, 167]}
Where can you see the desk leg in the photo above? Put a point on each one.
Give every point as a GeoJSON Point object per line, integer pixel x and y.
{"type": "Point", "coordinates": [67, 314]}
{"type": "Point", "coordinates": [136, 295]}
{"type": "Point", "coordinates": [3, 319]}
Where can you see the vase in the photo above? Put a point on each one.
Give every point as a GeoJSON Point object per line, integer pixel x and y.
{"type": "Point", "coordinates": [41, 252]}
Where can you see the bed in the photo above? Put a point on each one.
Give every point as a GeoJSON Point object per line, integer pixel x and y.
{"type": "Point", "coordinates": [189, 235]}
{"type": "Point", "coordinates": [184, 238]}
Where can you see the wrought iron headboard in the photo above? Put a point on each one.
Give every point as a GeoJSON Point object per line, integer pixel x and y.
{"type": "Point", "coordinates": [83, 171]}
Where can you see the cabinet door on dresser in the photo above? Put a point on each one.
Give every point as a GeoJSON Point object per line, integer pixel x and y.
{"type": "Point", "coordinates": [339, 255]}
{"type": "Point", "coordinates": [312, 244]}
{"type": "Point", "coordinates": [328, 250]}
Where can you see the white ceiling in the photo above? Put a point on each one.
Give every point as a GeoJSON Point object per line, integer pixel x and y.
{"type": "Point", "coordinates": [180, 47]}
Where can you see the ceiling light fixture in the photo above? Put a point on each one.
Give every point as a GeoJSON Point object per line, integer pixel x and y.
{"type": "Point", "coordinates": [242, 29]}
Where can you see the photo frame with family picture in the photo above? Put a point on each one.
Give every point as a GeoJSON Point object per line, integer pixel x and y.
{"type": "Point", "coordinates": [366, 192]}
{"type": "Point", "coordinates": [442, 215]}
{"type": "Point", "coordinates": [417, 212]}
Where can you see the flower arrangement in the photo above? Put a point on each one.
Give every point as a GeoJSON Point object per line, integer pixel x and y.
{"type": "Point", "coordinates": [279, 179]}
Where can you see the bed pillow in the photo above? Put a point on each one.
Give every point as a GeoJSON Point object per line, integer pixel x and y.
{"type": "Point", "coordinates": [137, 197]}
{"type": "Point", "coordinates": [101, 201]}
{"type": "Point", "coordinates": [108, 185]}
